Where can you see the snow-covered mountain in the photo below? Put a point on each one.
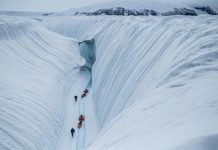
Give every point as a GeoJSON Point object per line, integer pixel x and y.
{"type": "Point", "coordinates": [141, 8]}
{"type": "Point", "coordinates": [154, 82]}
{"type": "Point", "coordinates": [120, 11]}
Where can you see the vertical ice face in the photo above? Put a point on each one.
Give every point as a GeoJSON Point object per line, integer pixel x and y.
{"type": "Point", "coordinates": [87, 51]}
{"type": "Point", "coordinates": [36, 70]}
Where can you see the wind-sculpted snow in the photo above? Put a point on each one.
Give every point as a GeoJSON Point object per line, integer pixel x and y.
{"type": "Point", "coordinates": [155, 79]}
{"type": "Point", "coordinates": [37, 69]}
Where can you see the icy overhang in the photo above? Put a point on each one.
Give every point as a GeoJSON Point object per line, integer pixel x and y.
{"type": "Point", "coordinates": [87, 51]}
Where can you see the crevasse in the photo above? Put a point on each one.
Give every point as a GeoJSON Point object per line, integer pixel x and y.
{"type": "Point", "coordinates": [153, 80]}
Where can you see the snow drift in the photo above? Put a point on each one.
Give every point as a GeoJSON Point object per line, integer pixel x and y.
{"type": "Point", "coordinates": [155, 79]}
{"type": "Point", "coordinates": [37, 69]}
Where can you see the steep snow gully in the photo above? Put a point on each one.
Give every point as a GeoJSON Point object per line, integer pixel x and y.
{"type": "Point", "coordinates": [152, 83]}
{"type": "Point", "coordinates": [74, 109]}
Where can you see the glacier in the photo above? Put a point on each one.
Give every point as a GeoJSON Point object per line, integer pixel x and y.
{"type": "Point", "coordinates": [154, 79]}
{"type": "Point", "coordinates": [153, 82]}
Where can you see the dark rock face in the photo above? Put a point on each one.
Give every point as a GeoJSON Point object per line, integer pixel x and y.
{"type": "Point", "coordinates": [47, 14]}
{"type": "Point", "coordinates": [207, 9]}
{"type": "Point", "coordinates": [120, 11]}
{"type": "Point", "coordinates": [180, 11]}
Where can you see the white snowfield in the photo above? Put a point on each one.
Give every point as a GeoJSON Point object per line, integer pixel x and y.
{"type": "Point", "coordinates": [154, 83]}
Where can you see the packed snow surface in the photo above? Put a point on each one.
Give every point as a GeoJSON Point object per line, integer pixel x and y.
{"type": "Point", "coordinates": [154, 83]}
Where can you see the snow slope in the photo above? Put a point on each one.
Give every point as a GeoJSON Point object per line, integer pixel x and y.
{"type": "Point", "coordinates": [73, 110]}
{"type": "Point", "coordinates": [154, 81]}
{"type": "Point", "coordinates": [38, 69]}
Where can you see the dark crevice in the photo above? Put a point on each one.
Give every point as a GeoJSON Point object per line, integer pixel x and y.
{"type": "Point", "coordinates": [88, 52]}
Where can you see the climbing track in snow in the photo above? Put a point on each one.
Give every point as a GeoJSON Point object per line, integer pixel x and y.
{"type": "Point", "coordinates": [82, 131]}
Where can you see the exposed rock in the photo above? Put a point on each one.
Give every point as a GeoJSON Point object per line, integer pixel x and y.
{"type": "Point", "coordinates": [180, 11]}
{"type": "Point", "coordinates": [207, 9]}
{"type": "Point", "coordinates": [120, 11]}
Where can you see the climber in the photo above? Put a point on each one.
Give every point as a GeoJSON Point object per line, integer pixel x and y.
{"type": "Point", "coordinates": [83, 95]}
{"type": "Point", "coordinates": [81, 118]}
{"type": "Point", "coordinates": [72, 131]}
{"type": "Point", "coordinates": [75, 97]}
{"type": "Point", "coordinates": [86, 91]}
{"type": "Point", "coordinates": [79, 125]}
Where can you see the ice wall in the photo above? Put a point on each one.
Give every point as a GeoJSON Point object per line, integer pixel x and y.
{"type": "Point", "coordinates": [87, 51]}
{"type": "Point", "coordinates": [154, 79]}
{"type": "Point", "coordinates": [37, 69]}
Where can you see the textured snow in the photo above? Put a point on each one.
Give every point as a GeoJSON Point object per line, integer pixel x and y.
{"type": "Point", "coordinates": [155, 80]}
{"type": "Point", "coordinates": [154, 83]}
{"type": "Point", "coordinates": [37, 70]}
{"type": "Point", "coordinates": [159, 6]}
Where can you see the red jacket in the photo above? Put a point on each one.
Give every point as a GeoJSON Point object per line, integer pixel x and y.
{"type": "Point", "coordinates": [81, 118]}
